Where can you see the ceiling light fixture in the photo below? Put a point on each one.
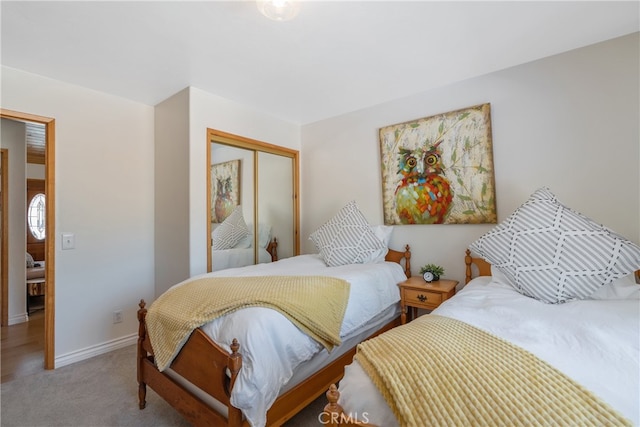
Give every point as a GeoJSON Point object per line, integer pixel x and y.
{"type": "Point", "coordinates": [279, 10]}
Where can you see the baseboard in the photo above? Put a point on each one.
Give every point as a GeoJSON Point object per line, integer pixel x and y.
{"type": "Point", "coordinates": [96, 350]}
{"type": "Point", "coordinates": [20, 318]}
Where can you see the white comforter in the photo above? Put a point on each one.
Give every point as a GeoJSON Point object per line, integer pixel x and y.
{"type": "Point", "coordinates": [595, 342]}
{"type": "Point", "coordinates": [272, 347]}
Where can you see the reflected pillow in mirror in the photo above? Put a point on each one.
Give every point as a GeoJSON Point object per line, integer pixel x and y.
{"type": "Point", "coordinates": [230, 231]}
{"type": "Point", "coordinates": [347, 238]}
{"type": "Point", "coordinates": [29, 260]}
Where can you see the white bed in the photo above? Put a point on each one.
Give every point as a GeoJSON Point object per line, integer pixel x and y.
{"type": "Point", "coordinates": [278, 369]}
{"type": "Point", "coordinates": [373, 302]}
{"type": "Point", "coordinates": [242, 253]}
{"type": "Point", "coordinates": [595, 342]}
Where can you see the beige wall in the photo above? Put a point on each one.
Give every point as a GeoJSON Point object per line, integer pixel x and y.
{"type": "Point", "coordinates": [104, 195]}
{"type": "Point", "coordinates": [569, 122]}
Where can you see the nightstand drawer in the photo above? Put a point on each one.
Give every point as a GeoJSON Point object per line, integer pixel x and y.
{"type": "Point", "coordinates": [422, 298]}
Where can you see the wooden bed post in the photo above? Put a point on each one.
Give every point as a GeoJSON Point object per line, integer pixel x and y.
{"type": "Point", "coordinates": [142, 333]}
{"type": "Point", "coordinates": [467, 263]}
{"type": "Point", "coordinates": [407, 257]}
{"type": "Point", "coordinates": [234, 365]}
{"type": "Point", "coordinates": [332, 411]}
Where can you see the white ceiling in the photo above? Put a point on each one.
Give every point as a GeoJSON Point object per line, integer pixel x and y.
{"type": "Point", "coordinates": [335, 57]}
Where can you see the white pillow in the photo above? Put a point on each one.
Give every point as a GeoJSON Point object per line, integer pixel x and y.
{"type": "Point", "coordinates": [231, 231]}
{"type": "Point", "coordinates": [29, 260]}
{"type": "Point", "coordinates": [622, 288]}
{"type": "Point", "coordinates": [347, 238]}
{"type": "Point", "coordinates": [551, 253]}
{"type": "Point", "coordinates": [382, 232]}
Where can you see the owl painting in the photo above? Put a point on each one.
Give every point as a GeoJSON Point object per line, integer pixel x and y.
{"type": "Point", "coordinates": [423, 195]}
{"type": "Point", "coordinates": [439, 169]}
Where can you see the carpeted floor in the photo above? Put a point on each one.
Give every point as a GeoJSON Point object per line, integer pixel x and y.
{"type": "Point", "coordinates": [100, 392]}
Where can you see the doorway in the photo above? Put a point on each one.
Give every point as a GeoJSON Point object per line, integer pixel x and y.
{"type": "Point", "coordinates": [49, 299]}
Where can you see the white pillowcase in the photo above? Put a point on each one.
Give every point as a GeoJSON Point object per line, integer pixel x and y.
{"type": "Point", "coordinates": [347, 238]}
{"type": "Point", "coordinates": [622, 288]}
{"type": "Point", "coordinates": [382, 232]}
{"type": "Point", "coordinates": [551, 253]}
{"type": "Point", "coordinates": [231, 231]}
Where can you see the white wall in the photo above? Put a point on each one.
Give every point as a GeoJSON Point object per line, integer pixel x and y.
{"type": "Point", "coordinates": [569, 122]}
{"type": "Point", "coordinates": [13, 138]}
{"type": "Point", "coordinates": [171, 191]}
{"type": "Point", "coordinates": [104, 194]}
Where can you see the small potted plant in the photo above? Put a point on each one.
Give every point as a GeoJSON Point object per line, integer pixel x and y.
{"type": "Point", "coordinates": [431, 272]}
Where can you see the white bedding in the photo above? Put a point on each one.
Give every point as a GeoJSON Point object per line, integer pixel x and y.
{"type": "Point", "coordinates": [594, 342]}
{"type": "Point", "coordinates": [236, 257]}
{"type": "Point", "coordinates": [265, 335]}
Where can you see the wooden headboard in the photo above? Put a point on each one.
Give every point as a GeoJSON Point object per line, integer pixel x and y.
{"type": "Point", "coordinates": [472, 263]}
{"type": "Point", "coordinates": [398, 256]}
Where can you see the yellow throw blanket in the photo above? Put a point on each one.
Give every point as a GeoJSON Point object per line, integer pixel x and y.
{"type": "Point", "coordinates": [315, 304]}
{"type": "Point", "coordinates": [441, 371]}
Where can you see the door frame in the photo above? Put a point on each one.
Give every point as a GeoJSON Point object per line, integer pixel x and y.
{"type": "Point", "coordinates": [49, 171]}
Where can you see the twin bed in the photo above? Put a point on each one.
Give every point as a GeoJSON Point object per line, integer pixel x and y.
{"type": "Point", "coordinates": [253, 366]}
{"type": "Point", "coordinates": [592, 342]}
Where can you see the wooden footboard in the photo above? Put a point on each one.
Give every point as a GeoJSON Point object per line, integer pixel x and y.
{"type": "Point", "coordinates": [204, 363]}
{"type": "Point", "coordinates": [211, 376]}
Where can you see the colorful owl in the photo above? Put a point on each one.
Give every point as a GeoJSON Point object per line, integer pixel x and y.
{"type": "Point", "coordinates": [424, 195]}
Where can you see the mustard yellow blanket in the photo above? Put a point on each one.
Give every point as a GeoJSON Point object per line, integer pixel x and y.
{"type": "Point", "coordinates": [315, 304]}
{"type": "Point", "coordinates": [440, 371]}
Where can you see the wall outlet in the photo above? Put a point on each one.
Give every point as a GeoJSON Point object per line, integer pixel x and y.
{"type": "Point", "coordinates": [117, 316]}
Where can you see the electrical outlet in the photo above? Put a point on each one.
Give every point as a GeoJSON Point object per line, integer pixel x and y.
{"type": "Point", "coordinates": [117, 316]}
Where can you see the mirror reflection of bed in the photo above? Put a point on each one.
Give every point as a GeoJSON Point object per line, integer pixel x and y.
{"type": "Point", "coordinates": [243, 253]}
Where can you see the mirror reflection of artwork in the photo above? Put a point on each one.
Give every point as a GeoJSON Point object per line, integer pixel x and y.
{"type": "Point", "coordinates": [225, 189]}
{"type": "Point", "coordinates": [439, 169]}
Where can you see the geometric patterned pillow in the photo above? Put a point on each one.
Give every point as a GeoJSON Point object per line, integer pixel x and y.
{"type": "Point", "coordinates": [230, 231]}
{"type": "Point", "coordinates": [347, 238]}
{"type": "Point", "coordinates": [554, 254]}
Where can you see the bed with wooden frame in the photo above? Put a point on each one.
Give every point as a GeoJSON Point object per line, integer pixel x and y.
{"type": "Point", "coordinates": [335, 416]}
{"type": "Point", "coordinates": [334, 413]}
{"type": "Point", "coordinates": [208, 366]}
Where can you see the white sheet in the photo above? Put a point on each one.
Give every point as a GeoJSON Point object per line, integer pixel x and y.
{"type": "Point", "coordinates": [236, 257]}
{"type": "Point", "coordinates": [266, 336]}
{"type": "Point", "coordinates": [596, 343]}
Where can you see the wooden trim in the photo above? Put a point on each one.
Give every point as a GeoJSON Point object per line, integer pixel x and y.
{"type": "Point", "coordinates": [4, 261]}
{"type": "Point", "coordinates": [398, 256]}
{"type": "Point", "coordinates": [49, 167]}
{"type": "Point", "coordinates": [233, 140]}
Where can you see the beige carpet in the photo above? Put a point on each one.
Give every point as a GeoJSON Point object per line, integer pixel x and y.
{"type": "Point", "coordinates": [100, 392]}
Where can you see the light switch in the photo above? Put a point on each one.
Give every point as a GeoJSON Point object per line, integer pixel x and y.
{"type": "Point", "coordinates": [68, 241]}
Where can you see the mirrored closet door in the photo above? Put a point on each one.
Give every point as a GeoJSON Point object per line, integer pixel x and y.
{"type": "Point", "coordinates": [250, 184]}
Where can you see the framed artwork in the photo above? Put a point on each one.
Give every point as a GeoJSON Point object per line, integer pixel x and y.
{"type": "Point", "coordinates": [439, 169]}
{"type": "Point", "coordinates": [225, 189]}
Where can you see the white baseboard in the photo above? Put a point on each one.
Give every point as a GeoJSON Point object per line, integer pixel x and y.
{"type": "Point", "coordinates": [20, 318]}
{"type": "Point", "coordinates": [96, 350]}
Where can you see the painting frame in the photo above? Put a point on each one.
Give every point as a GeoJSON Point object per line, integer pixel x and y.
{"type": "Point", "coordinates": [439, 169]}
{"type": "Point", "coordinates": [225, 189]}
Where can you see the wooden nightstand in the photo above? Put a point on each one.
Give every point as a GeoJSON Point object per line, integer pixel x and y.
{"type": "Point", "coordinates": [416, 293]}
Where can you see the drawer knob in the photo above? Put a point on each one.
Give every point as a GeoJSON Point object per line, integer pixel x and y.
{"type": "Point", "coordinates": [422, 298]}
